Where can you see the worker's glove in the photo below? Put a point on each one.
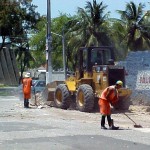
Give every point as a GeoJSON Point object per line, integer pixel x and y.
{"type": "Point", "coordinates": [109, 102]}
{"type": "Point", "coordinates": [112, 107]}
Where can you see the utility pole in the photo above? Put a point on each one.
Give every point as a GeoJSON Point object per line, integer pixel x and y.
{"type": "Point", "coordinates": [48, 43]}
{"type": "Point", "coordinates": [64, 53]}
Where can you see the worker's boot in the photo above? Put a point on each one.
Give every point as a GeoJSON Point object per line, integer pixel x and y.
{"type": "Point", "coordinates": [27, 103]}
{"type": "Point", "coordinates": [103, 122]}
{"type": "Point", "coordinates": [111, 125]}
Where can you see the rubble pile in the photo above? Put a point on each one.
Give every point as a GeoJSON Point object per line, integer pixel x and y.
{"type": "Point", "coordinates": [40, 99]}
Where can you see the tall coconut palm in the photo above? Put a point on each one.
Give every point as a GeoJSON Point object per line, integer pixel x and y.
{"type": "Point", "coordinates": [117, 35]}
{"type": "Point", "coordinates": [92, 24]}
{"type": "Point", "coordinates": [133, 19]}
{"type": "Point", "coordinates": [88, 28]}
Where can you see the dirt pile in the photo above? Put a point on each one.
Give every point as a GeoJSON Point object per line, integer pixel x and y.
{"type": "Point", "coordinates": [139, 109]}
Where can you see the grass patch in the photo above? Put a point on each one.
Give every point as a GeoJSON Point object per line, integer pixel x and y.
{"type": "Point", "coordinates": [3, 93]}
{"type": "Point", "coordinates": [3, 85]}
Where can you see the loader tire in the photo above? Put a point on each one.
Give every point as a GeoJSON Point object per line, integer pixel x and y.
{"type": "Point", "coordinates": [85, 98]}
{"type": "Point", "coordinates": [62, 97]}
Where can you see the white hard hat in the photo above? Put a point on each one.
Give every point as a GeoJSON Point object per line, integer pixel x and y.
{"type": "Point", "coordinates": [27, 75]}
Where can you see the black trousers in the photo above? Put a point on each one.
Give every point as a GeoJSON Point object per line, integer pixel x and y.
{"type": "Point", "coordinates": [108, 119]}
{"type": "Point", "coordinates": [26, 103]}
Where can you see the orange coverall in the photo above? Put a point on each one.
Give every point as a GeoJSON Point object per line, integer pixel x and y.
{"type": "Point", "coordinates": [27, 83]}
{"type": "Point", "coordinates": [108, 96]}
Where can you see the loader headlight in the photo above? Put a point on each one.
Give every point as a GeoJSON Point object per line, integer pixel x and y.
{"type": "Point", "coordinates": [97, 69]}
{"type": "Point", "coordinates": [104, 68]}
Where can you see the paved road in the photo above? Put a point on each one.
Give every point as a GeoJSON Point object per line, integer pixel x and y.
{"type": "Point", "coordinates": [56, 129]}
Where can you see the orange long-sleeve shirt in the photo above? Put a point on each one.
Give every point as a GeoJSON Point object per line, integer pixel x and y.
{"type": "Point", "coordinates": [27, 83]}
{"type": "Point", "coordinates": [109, 95]}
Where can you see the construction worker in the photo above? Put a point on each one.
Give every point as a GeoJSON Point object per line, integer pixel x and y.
{"type": "Point", "coordinates": [27, 83]}
{"type": "Point", "coordinates": [108, 97]}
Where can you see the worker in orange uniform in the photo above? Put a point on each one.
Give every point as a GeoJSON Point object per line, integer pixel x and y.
{"type": "Point", "coordinates": [108, 97]}
{"type": "Point", "coordinates": [27, 83]}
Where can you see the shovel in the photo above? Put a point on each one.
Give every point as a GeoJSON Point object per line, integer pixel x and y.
{"type": "Point", "coordinates": [135, 125]}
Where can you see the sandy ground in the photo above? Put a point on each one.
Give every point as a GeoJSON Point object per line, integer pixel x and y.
{"type": "Point", "coordinates": [139, 115]}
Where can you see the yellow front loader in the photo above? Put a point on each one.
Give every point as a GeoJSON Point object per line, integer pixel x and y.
{"type": "Point", "coordinates": [95, 71]}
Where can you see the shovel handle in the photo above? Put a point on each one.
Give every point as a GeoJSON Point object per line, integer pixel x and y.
{"type": "Point", "coordinates": [130, 118]}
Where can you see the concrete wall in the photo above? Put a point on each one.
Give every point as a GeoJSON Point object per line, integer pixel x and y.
{"type": "Point", "coordinates": [5, 70]}
{"type": "Point", "coordinates": [9, 73]}
{"type": "Point", "coordinates": [137, 65]}
{"type": "Point", "coordinates": [2, 78]}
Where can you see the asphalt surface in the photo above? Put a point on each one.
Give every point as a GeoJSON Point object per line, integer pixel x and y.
{"type": "Point", "coordinates": [56, 129]}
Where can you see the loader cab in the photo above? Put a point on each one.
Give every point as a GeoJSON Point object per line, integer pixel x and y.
{"type": "Point", "coordinates": [93, 56]}
{"type": "Point", "coordinates": [100, 56]}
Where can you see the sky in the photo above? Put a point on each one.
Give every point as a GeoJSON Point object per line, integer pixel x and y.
{"type": "Point", "coordinates": [70, 6]}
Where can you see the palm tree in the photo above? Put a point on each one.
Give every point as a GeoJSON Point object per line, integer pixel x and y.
{"type": "Point", "coordinates": [92, 23]}
{"type": "Point", "coordinates": [88, 28]}
{"type": "Point", "coordinates": [117, 35]}
{"type": "Point", "coordinates": [134, 21]}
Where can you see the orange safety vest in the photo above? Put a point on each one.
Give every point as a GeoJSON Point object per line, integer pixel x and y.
{"type": "Point", "coordinates": [104, 102]}
{"type": "Point", "coordinates": [113, 95]}
{"type": "Point", "coordinates": [27, 83]}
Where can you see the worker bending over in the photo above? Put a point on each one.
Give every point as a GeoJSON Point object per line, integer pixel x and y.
{"type": "Point", "coordinates": [108, 97]}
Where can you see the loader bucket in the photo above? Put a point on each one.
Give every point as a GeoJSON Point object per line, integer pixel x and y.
{"type": "Point", "coordinates": [51, 89]}
{"type": "Point", "coordinates": [124, 99]}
